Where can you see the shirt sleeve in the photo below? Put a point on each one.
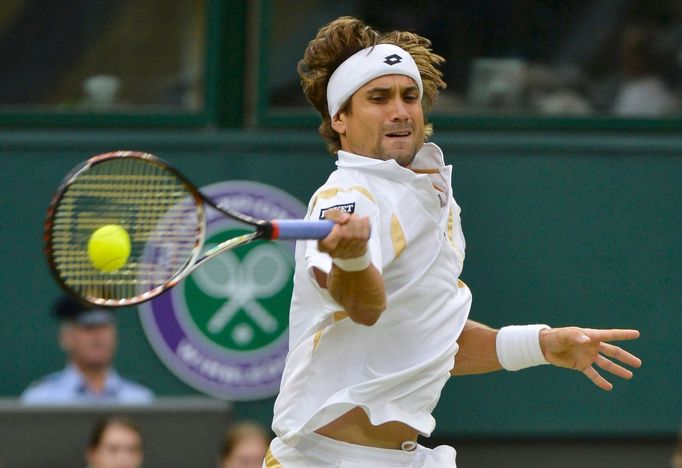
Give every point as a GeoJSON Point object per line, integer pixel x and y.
{"type": "Point", "coordinates": [351, 199]}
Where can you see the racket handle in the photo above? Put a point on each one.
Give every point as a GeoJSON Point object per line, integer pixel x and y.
{"type": "Point", "coordinates": [299, 229]}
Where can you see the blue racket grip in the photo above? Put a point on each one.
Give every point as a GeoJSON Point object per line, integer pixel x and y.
{"type": "Point", "coordinates": [299, 229]}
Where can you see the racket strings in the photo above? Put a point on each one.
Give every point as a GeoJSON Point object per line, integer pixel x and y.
{"type": "Point", "coordinates": [156, 208]}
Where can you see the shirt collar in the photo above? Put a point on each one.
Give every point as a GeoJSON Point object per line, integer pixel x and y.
{"type": "Point", "coordinates": [75, 379]}
{"type": "Point", "coordinates": [429, 156]}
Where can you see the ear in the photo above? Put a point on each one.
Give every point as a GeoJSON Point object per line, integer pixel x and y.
{"type": "Point", "coordinates": [339, 123]}
{"type": "Point", "coordinates": [65, 338]}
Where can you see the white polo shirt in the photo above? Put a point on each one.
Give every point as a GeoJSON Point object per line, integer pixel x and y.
{"type": "Point", "coordinates": [395, 369]}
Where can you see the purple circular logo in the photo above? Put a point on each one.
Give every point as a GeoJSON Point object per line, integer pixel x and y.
{"type": "Point", "coordinates": [224, 329]}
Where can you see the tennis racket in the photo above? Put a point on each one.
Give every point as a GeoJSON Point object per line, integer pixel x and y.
{"type": "Point", "coordinates": [163, 215]}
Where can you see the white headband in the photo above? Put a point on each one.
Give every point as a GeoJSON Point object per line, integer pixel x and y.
{"type": "Point", "coordinates": [365, 65]}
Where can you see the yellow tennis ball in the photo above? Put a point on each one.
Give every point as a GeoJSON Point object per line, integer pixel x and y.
{"type": "Point", "coordinates": [109, 247]}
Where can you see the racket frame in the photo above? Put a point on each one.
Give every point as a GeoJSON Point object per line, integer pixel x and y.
{"type": "Point", "coordinates": [267, 230]}
{"type": "Point", "coordinates": [68, 181]}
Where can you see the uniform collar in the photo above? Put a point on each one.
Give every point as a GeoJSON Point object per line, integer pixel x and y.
{"type": "Point", "coordinates": [429, 157]}
{"type": "Point", "coordinates": [75, 379]}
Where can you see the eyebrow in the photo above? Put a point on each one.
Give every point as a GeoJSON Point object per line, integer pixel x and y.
{"type": "Point", "coordinates": [386, 89]}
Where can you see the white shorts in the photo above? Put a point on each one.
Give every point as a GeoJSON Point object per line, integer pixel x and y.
{"type": "Point", "coordinates": [316, 451]}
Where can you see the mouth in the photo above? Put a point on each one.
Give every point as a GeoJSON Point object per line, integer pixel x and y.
{"type": "Point", "coordinates": [399, 134]}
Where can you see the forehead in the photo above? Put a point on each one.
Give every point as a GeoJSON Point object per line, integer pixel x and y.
{"type": "Point", "coordinates": [389, 81]}
{"type": "Point", "coordinates": [120, 432]}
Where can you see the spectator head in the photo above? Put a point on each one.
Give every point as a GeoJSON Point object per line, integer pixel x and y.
{"type": "Point", "coordinates": [115, 442]}
{"type": "Point", "coordinates": [244, 446]}
{"type": "Point", "coordinates": [87, 335]}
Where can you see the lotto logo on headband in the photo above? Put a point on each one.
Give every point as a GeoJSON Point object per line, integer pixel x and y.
{"type": "Point", "coordinates": [393, 59]}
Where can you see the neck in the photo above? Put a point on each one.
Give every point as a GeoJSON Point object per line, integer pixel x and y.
{"type": "Point", "coordinates": [95, 376]}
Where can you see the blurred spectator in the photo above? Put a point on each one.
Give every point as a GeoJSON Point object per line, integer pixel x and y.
{"type": "Point", "coordinates": [642, 91]}
{"type": "Point", "coordinates": [88, 337]}
{"type": "Point", "coordinates": [115, 442]}
{"type": "Point", "coordinates": [676, 461]}
{"type": "Point", "coordinates": [557, 90]}
{"type": "Point", "coordinates": [244, 446]}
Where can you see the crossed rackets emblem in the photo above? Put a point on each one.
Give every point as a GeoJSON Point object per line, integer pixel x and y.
{"type": "Point", "coordinates": [261, 274]}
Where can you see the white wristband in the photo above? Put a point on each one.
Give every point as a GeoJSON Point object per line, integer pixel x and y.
{"type": "Point", "coordinates": [353, 264]}
{"type": "Point", "coordinates": [518, 346]}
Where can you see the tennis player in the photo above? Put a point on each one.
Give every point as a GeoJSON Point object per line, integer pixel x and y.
{"type": "Point", "coordinates": [379, 319]}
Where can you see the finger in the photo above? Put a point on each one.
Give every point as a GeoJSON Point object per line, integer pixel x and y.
{"type": "Point", "coordinates": [613, 368]}
{"type": "Point", "coordinates": [363, 225]}
{"type": "Point", "coordinates": [336, 215]}
{"type": "Point", "coordinates": [620, 354]}
{"type": "Point", "coordinates": [597, 379]}
{"type": "Point", "coordinates": [332, 240]}
{"type": "Point", "coordinates": [355, 229]}
{"type": "Point", "coordinates": [612, 335]}
{"type": "Point", "coordinates": [349, 239]}
{"type": "Point", "coordinates": [327, 244]}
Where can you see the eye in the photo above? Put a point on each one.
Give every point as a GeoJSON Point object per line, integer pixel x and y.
{"type": "Point", "coordinates": [410, 98]}
{"type": "Point", "coordinates": [377, 98]}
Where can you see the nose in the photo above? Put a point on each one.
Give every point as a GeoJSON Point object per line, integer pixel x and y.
{"type": "Point", "coordinates": [399, 110]}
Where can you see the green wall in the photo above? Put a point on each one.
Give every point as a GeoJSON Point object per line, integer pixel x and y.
{"type": "Point", "coordinates": [578, 228]}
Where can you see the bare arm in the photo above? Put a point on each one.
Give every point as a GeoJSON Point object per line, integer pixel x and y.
{"type": "Point", "coordinates": [569, 347]}
{"type": "Point", "coordinates": [360, 293]}
{"type": "Point", "coordinates": [477, 352]}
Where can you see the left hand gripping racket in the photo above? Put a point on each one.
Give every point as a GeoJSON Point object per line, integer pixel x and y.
{"type": "Point", "coordinates": [164, 216]}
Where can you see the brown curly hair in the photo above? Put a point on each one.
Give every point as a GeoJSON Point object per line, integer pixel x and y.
{"type": "Point", "coordinates": [343, 37]}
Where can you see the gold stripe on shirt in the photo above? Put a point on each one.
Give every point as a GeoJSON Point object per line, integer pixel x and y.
{"type": "Point", "coordinates": [340, 315]}
{"type": "Point", "coordinates": [426, 171]}
{"type": "Point", "coordinates": [397, 236]}
{"type": "Point", "coordinates": [337, 317]}
{"type": "Point", "coordinates": [316, 339]}
{"type": "Point", "coordinates": [461, 284]}
{"type": "Point", "coordinates": [270, 461]}
{"type": "Point", "coordinates": [451, 227]}
{"type": "Point", "coordinates": [331, 192]}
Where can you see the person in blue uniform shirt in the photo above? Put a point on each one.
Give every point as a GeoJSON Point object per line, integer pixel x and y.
{"type": "Point", "coordinates": [88, 337]}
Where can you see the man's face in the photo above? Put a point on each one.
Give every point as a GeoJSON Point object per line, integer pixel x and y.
{"type": "Point", "coordinates": [120, 447]}
{"type": "Point", "coordinates": [385, 120]}
{"type": "Point", "coordinates": [90, 347]}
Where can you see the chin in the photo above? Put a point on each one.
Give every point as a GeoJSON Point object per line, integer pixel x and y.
{"type": "Point", "coordinates": [100, 361]}
{"type": "Point", "coordinates": [402, 156]}
{"type": "Point", "coordinates": [406, 160]}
